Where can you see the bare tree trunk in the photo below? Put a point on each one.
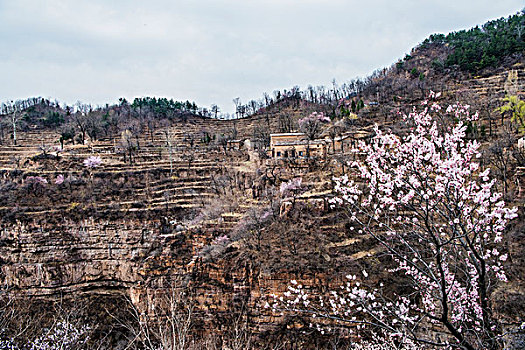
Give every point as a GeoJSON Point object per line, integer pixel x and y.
{"type": "Point", "coordinates": [13, 121]}
{"type": "Point", "coordinates": [170, 150]}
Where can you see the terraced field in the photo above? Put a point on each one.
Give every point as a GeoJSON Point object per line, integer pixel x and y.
{"type": "Point", "coordinates": [181, 210]}
{"type": "Point", "coordinates": [127, 228]}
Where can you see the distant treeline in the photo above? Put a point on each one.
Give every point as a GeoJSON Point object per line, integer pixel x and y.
{"type": "Point", "coordinates": [162, 106]}
{"type": "Point", "coordinates": [485, 46]}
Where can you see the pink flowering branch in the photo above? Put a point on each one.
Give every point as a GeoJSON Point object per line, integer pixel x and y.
{"type": "Point", "coordinates": [441, 219]}
{"type": "Point", "coordinates": [291, 186]}
{"type": "Point", "coordinates": [36, 181]}
{"type": "Point", "coordinates": [59, 179]}
{"type": "Point", "coordinates": [92, 162]}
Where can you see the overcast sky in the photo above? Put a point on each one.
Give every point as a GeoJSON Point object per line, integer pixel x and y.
{"type": "Point", "coordinates": [209, 51]}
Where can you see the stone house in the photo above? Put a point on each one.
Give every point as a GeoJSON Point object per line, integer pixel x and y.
{"type": "Point", "coordinates": [344, 143]}
{"type": "Point", "coordinates": [295, 145]}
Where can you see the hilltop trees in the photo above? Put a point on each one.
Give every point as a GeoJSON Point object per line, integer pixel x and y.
{"type": "Point", "coordinates": [441, 220]}
{"type": "Point", "coordinates": [163, 107]}
{"type": "Point", "coordinates": [19, 111]}
{"type": "Point", "coordinates": [484, 46]}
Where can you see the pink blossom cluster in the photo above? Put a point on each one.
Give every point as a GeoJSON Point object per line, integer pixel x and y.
{"type": "Point", "coordinates": [221, 240]}
{"type": "Point", "coordinates": [462, 112]}
{"type": "Point", "coordinates": [36, 180]}
{"type": "Point", "coordinates": [441, 218]}
{"type": "Point", "coordinates": [314, 117]}
{"type": "Point", "coordinates": [348, 305]}
{"type": "Point", "coordinates": [291, 186]}
{"type": "Point", "coordinates": [386, 344]}
{"type": "Point", "coordinates": [59, 179]}
{"type": "Point", "coordinates": [92, 162]}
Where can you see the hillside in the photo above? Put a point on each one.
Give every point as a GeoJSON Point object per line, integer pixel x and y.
{"type": "Point", "coordinates": [173, 213]}
{"type": "Point", "coordinates": [481, 63]}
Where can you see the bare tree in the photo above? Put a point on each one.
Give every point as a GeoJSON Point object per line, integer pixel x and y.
{"type": "Point", "coordinates": [94, 125]}
{"type": "Point", "coordinates": [128, 145]}
{"type": "Point", "coordinates": [254, 106]}
{"type": "Point", "coordinates": [501, 156]}
{"type": "Point", "coordinates": [169, 146]}
{"type": "Point", "coordinates": [189, 155]}
{"type": "Point", "coordinates": [333, 132]}
{"type": "Point", "coordinates": [22, 327]}
{"type": "Point", "coordinates": [178, 312]}
{"type": "Point", "coordinates": [238, 336]}
{"type": "Point", "coordinates": [80, 119]}
{"type": "Point", "coordinates": [311, 126]}
{"type": "Point", "coordinates": [237, 103]}
{"type": "Point", "coordinates": [215, 110]}
{"type": "Point", "coordinates": [261, 136]}
{"type": "Point", "coordinates": [14, 111]}
{"type": "Point", "coordinates": [151, 122]}
{"type": "Point", "coordinates": [285, 123]}
{"type": "Point", "coordinates": [168, 321]}
{"type": "Point", "coordinates": [4, 125]}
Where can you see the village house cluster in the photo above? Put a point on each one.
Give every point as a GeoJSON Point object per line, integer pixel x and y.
{"type": "Point", "coordinates": [297, 144]}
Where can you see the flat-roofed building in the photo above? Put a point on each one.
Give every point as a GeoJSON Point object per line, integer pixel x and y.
{"type": "Point", "coordinates": [292, 145]}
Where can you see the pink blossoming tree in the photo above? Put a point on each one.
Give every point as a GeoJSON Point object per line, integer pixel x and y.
{"type": "Point", "coordinates": [92, 162]}
{"type": "Point", "coordinates": [440, 217]}
{"type": "Point", "coordinates": [36, 183]}
{"type": "Point", "coordinates": [292, 188]}
{"type": "Point", "coordinates": [59, 179]}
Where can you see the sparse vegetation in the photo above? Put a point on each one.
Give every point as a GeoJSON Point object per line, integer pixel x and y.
{"type": "Point", "coordinates": [184, 212]}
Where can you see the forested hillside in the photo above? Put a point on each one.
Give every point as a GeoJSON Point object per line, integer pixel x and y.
{"type": "Point", "coordinates": [485, 46]}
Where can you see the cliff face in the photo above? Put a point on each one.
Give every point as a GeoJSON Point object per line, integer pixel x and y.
{"type": "Point", "coordinates": [40, 259]}
{"type": "Point", "coordinates": [143, 261]}
{"type": "Point", "coordinates": [141, 230]}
